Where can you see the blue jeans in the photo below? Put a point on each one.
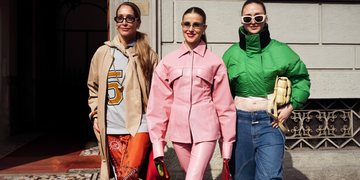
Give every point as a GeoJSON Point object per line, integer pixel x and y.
{"type": "Point", "coordinates": [258, 151]}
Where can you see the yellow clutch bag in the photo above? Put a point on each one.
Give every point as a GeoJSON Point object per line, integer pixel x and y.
{"type": "Point", "coordinates": [282, 92]}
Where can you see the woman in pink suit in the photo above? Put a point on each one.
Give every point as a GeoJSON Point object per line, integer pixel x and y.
{"type": "Point", "coordinates": [190, 96]}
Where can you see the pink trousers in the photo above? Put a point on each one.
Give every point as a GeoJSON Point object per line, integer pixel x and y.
{"type": "Point", "coordinates": [194, 158]}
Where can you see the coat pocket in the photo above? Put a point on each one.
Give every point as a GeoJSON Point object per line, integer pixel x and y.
{"type": "Point", "coordinates": [175, 74]}
{"type": "Point", "coordinates": [205, 75]}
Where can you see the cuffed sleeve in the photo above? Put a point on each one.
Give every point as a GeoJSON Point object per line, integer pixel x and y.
{"type": "Point", "coordinates": [226, 111]}
{"type": "Point", "coordinates": [226, 149]}
{"type": "Point", "coordinates": [158, 109]}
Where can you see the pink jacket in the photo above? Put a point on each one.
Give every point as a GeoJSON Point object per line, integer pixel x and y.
{"type": "Point", "coordinates": [190, 95]}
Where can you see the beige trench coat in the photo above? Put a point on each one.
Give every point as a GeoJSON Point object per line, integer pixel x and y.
{"type": "Point", "coordinates": [97, 84]}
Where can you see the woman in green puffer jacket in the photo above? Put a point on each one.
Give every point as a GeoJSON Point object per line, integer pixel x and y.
{"type": "Point", "coordinates": [253, 65]}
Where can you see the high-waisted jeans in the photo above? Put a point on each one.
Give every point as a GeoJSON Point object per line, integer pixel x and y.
{"type": "Point", "coordinates": [258, 151]}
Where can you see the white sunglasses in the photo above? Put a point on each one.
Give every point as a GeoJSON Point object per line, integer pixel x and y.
{"type": "Point", "coordinates": [257, 18]}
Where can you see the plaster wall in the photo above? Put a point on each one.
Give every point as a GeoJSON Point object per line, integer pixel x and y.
{"type": "Point", "coordinates": [325, 36]}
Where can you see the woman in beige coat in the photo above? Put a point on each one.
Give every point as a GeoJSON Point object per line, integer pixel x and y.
{"type": "Point", "coordinates": [119, 85]}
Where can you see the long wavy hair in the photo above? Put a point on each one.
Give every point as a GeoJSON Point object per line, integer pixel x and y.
{"type": "Point", "coordinates": [200, 12]}
{"type": "Point", "coordinates": [142, 46]}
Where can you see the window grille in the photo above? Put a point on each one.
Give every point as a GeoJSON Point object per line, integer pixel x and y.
{"type": "Point", "coordinates": [325, 124]}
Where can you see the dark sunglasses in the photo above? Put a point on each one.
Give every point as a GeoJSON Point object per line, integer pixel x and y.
{"type": "Point", "coordinates": [257, 18]}
{"type": "Point", "coordinates": [195, 25]}
{"type": "Point", "coordinates": [120, 19]}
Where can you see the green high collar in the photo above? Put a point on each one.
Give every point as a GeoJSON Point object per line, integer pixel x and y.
{"type": "Point", "coordinates": [254, 43]}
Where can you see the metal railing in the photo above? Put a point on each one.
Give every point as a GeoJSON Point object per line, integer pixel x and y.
{"type": "Point", "coordinates": [325, 128]}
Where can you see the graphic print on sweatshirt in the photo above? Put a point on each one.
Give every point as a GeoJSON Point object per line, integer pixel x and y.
{"type": "Point", "coordinates": [115, 96]}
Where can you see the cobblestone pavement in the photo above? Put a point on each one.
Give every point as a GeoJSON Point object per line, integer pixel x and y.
{"type": "Point", "coordinates": [91, 148]}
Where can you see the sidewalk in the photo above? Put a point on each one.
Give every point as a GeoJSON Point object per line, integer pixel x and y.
{"type": "Point", "coordinates": [18, 141]}
{"type": "Point", "coordinates": [298, 165]}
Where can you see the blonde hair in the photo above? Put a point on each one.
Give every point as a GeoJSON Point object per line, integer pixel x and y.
{"type": "Point", "coordinates": [143, 49]}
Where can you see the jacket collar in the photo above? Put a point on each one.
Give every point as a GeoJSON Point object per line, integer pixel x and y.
{"type": "Point", "coordinates": [135, 86]}
{"type": "Point", "coordinates": [199, 49]}
{"type": "Point", "coordinates": [256, 42]}
{"type": "Point", "coordinates": [117, 44]}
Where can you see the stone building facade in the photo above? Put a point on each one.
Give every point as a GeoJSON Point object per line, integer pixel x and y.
{"type": "Point", "coordinates": [324, 34]}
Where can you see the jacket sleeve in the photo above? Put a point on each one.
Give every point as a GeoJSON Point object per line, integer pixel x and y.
{"type": "Point", "coordinates": [232, 66]}
{"type": "Point", "coordinates": [226, 111]}
{"type": "Point", "coordinates": [300, 84]}
{"type": "Point", "coordinates": [93, 83]}
{"type": "Point", "coordinates": [158, 109]}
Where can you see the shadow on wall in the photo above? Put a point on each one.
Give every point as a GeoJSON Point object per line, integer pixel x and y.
{"type": "Point", "coordinates": [291, 173]}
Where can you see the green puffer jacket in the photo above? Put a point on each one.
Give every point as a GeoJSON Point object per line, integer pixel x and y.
{"type": "Point", "coordinates": [254, 63]}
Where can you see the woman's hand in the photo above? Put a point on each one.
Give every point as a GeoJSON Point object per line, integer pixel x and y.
{"type": "Point", "coordinates": [96, 126]}
{"type": "Point", "coordinates": [159, 159]}
{"type": "Point", "coordinates": [283, 114]}
{"type": "Point", "coordinates": [226, 159]}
